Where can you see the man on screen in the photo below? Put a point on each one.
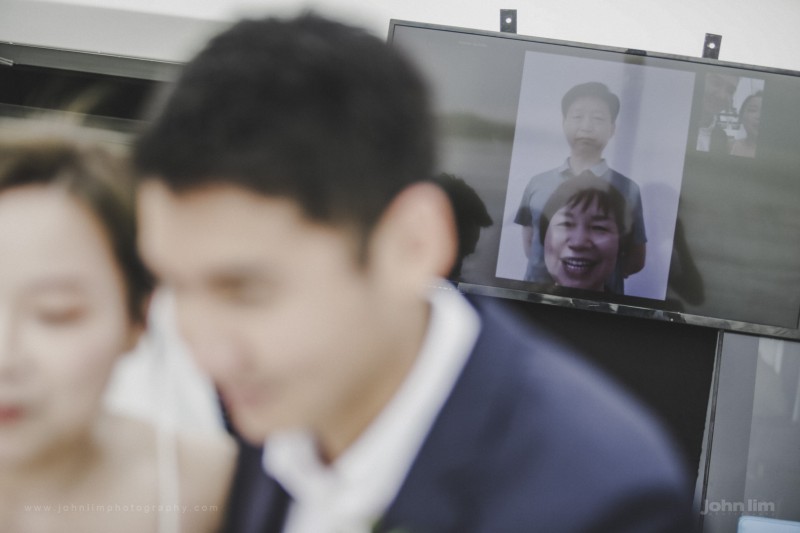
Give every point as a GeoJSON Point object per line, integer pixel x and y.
{"type": "Point", "coordinates": [589, 113]}
{"type": "Point", "coordinates": [287, 197]}
{"type": "Point", "coordinates": [718, 92]}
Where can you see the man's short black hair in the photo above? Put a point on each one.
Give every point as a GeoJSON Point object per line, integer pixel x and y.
{"type": "Point", "coordinates": [309, 109]}
{"type": "Point", "coordinates": [470, 215]}
{"type": "Point", "coordinates": [593, 89]}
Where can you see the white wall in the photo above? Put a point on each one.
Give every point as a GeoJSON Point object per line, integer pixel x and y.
{"type": "Point", "coordinates": [760, 32]}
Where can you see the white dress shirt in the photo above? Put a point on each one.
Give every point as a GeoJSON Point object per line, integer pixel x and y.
{"type": "Point", "coordinates": [350, 495]}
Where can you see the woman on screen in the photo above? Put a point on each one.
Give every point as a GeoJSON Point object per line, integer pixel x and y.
{"type": "Point", "coordinates": [585, 232]}
{"type": "Point", "coordinates": [750, 118]}
{"type": "Point", "coordinates": [73, 296]}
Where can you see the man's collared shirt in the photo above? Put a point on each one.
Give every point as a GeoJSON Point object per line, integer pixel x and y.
{"type": "Point", "coordinates": [353, 493]}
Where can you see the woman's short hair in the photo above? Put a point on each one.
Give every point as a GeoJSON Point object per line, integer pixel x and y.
{"type": "Point", "coordinates": [581, 192]}
{"type": "Point", "coordinates": [97, 178]}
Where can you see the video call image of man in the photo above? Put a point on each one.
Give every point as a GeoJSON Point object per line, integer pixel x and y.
{"type": "Point", "coordinates": [718, 94]}
{"type": "Point", "coordinates": [585, 232]}
{"type": "Point", "coordinates": [589, 112]}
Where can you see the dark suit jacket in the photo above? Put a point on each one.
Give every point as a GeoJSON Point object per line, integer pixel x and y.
{"type": "Point", "coordinates": [531, 439]}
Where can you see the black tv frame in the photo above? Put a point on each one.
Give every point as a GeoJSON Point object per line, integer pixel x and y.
{"type": "Point", "coordinates": [87, 62]}
{"type": "Point", "coordinates": [40, 80]}
{"type": "Point", "coordinates": [613, 305]}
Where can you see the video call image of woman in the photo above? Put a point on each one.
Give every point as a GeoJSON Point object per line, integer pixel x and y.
{"type": "Point", "coordinates": [750, 120]}
{"type": "Point", "coordinates": [585, 233]}
{"type": "Point", "coordinates": [590, 112]}
{"type": "Point", "coordinates": [623, 123]}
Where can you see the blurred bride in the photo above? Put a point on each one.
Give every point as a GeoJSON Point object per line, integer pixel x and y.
{"type": "Point", "coordinates": [73, 299]}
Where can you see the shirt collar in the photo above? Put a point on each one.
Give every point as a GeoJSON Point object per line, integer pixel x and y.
{"type": "Point", "coordinates": [356, 489]}
{"type": "Point", "coordinates": [598, 170]}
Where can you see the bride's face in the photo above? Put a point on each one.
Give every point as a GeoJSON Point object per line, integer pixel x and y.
{"type": "Point", "coordinates": [63, 321]}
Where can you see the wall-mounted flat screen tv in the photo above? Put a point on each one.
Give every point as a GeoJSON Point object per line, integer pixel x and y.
{"type": "Point", "coordinates": [619, 180]}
